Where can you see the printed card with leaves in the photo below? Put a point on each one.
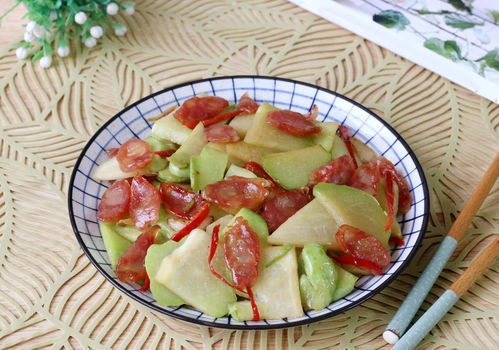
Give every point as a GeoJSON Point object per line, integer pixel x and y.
{"type": "Point", "coordinates": [458, 39]}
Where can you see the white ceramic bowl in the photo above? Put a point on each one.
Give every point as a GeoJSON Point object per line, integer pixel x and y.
{"type": "Point", "coordinates": [84, 192]}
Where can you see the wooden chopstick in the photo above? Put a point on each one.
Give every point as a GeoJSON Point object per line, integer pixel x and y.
{"type": "Point", "coordinates": [418, 293]}
{"type": "Point", "coordinates": [431, 317]}
{"type": "Point", "coordinates": [476, 269]}
{"type": "Point", "coordinates": [478, 196]}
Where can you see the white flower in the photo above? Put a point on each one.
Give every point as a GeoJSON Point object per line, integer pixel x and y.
{"type": "Point", "coordinates": [130, 10]}
{"type": "Point", "coordinates": [30, 26]}
{"type": "Point", "coordinates": [46, 61]}
{"type": "Point", "coordinates": [63, 51]}
{"type": "Point", "coordinates": [53, 15]}
{"type": "Point", "coordinates": [112, 9]}
{"type": "Point", "coordinates": [90, 42]}
{"type": "Point", "coordinates": [21, 53]}
{"type": "Point", "coordinates": [28, 37]}
{"type": "Point", "coordinates": [80, 17]}
{"type": "Point", "coordinates": [39, 31]}
{"type": "Point", "coordinates": [96, 32]}
{"type": "Point", "coordinates": [120, 31]}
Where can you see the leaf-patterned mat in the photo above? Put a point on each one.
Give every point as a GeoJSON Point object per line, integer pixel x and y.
{"type": "Point", "coordinates": [50, 294]}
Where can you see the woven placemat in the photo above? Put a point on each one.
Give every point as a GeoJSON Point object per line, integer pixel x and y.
{"type": "Point", "coordinates": [50, 294]}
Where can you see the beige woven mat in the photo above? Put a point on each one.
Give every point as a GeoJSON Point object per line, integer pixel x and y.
{"type": "Point", "coordinates": [50, 294]}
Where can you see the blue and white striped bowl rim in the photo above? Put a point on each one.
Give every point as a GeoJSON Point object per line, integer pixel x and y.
{"type": "Point", "coordinates": [84, 192]}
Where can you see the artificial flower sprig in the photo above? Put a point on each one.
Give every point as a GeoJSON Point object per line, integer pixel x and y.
{"type": "Point", "coordinates": [54, 24]}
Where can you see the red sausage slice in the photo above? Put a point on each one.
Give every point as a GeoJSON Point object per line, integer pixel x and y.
{"type": "Point", "coordinates": [130, 266]}
{"type": "Point", "coordinates": [247, 104]}
{"type": "Point", "coordinates": [368, 176]}
{"type": "Point", "coordinates": [197, 109]}
{"type": "Point", "coordinates": [180, 201]}
{"type": "Point", "coordinates": [221, 133]}
{"type": "Point", "coordinates": [358, 244]}
{"type": "Point", "coordinates": [242, 253]}
{"type": "Point", "coordinates": [115, 202]}
{"type": "Point", "coordinates": [283, 205]}
{"type": "Point", "coordinates": [338, 172]}
{"type": "Point", "coordinates": [237, 192]}
{"type": "Point", "coordinates": [144, 203]}
{"type": "Point", "coordinates": [292, 123]}
{"type": "Point", "coordinates": [134, 155]}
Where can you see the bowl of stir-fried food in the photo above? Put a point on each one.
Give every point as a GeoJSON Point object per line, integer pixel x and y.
{"type": "Point", "coordinates": [248, 202]}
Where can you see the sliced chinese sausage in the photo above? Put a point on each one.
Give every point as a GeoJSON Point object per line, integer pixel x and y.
{"type": "Point", "coordinates": [221, 133]}
{"type": "Point", "coordinates": [130, 266]}
{"type": "Point", "coordinates": [134, 155]}
{"type": "Point", "coordinates": [292, 123]}
{"type": "Point", "coordinates": [368, 176]}
{"type": "Point", "coordinates": [361, 245]}
{"type": "Point", "coordinates": [197, 109]}
{"type": "Point", "coordinates": [282, 206]}
{"type": "Point", "coordinates": [242, 253]}
{"type": "Point", "coordinates": [180, 201]}
{"type": "Point", "coordinates": [247, 104]}
{"type": "Point", "coordinates": [338, 172]}
{"type": "Point", "coordinates": [237, 192]}
{"type": "Point", "coordinates": [115, 202]}
{"type": "Point", "coordinates": [144, 203]}
{"type": "Point", "coordinates": [405, 199]}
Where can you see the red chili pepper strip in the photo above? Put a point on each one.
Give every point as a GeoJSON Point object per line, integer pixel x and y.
{"type": "Point", "coordinates": [166, 153]}
{"type": "Point", "coordinates": [389, 199]}
{"type": "Point", "coordinates": [220, 117]}
{"type": "Point", "coordinates": [362, 263]}
{"type": "Point", "coordinates": [345, 136]}
{"type": "Point", "coordinates": [195, 222]}
{"type": "Point", "coordinates": [258, 169]}
{"type": "Point", "coordinates": [399, 242]}
{"type": "Point", "coordinates": [213, 250]}
{"type": "Point", "coordinates": [254, 307]}
{"type": "Point", "coordinates": [147, 284]}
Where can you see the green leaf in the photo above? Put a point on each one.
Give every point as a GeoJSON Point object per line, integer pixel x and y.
{"type": "Point", "coordinates": [494, 15]}
{"type": "Point", "coordinates": [392, 19]}
{"type": "Point", "coordinates": [460, 5]}
{"type": "Point", "coordinates": [449, 48]}
{"type": "Point", "coordinates": [37, 56]}
{"type": "Point", "coordinates": [461, 22]}
{"type": "Point", "coordinates": [481, 70]}
{"type": "Point", "coordinates": [426, 12]}
{"type": "Point", "coordinates": [452, 47]}
{"type": "Point", "coordinates": [491, 59]}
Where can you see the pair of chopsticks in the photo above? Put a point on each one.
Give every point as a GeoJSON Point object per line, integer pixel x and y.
{"type": "Point", "coordinates": [415, 298]}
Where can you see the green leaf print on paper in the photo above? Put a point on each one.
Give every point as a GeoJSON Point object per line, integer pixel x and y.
{"type": "Point", "coordinates": [461, 22]}
{"type": "Point", "coordinates": [426, 12]}
{"type": "Point", "coordinates": [392, 19]}
{"type": "Point", "coordinates": [449, 48]}
{"type": "Point", "coordinates": [460, 5]}
{"type": "Point", "coordinates": [452, 47]}
{"type": "Point", "coordinates": [462, 18]}
{"type": "Point", "coordinates": [491, 59]}
{"type": "Point", "coordinates": [494, 15]}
